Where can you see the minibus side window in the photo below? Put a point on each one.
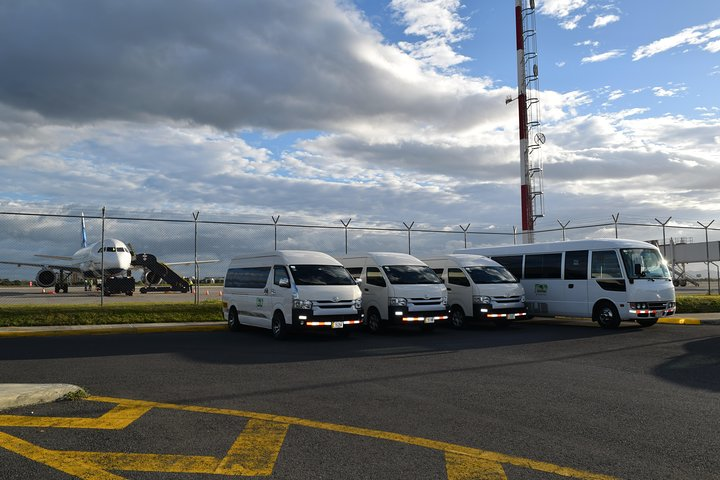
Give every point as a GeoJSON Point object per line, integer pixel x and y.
{"type": "Point", "coordinates": [282, 279]}
{"type": "Point", "coordinates": [457, 277]}
{"type": "Point", "coordinates": [248, 277]}
{"type": "Point", "coordinates": [375, 277]}
{"type": "Point", "coordinates": [605, 265]}
{"type": "Point", "coordinates": [513, 263]}
{"type": "Point", "coordinates": [545, 265]}
{"type": "Point", "coordinates": [576, 263]}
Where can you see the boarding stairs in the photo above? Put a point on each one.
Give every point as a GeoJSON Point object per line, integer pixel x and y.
{"type": "Point", "coordinates": [155, 272]}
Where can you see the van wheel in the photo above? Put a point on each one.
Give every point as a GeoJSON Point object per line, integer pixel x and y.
{"type": "Point", "coordinates": [457, 317]}
{"type": "Point", "coordinates": [233, 321]}
{"type": "Point", "coordinates": [373, 321]}
{"type": "Point", "coordinates": [279, 327]}
{"type": "Point", "coordinates": [606, 315]}
{"type": "Point", "coordinates": [647, 322]}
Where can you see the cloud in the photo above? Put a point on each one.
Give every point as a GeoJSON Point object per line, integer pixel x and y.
{"type": "Point", "coordinates": [571, 23]}
{"type": "Point", "coordinates": [560, 8]}
{"type": "Point", "coordinates": [603, 20]}
{"type": "Point", "coordinates": [601, 57]}
{"type": "Point", "coordinates": [668, 92]}
{"type": "Point", "coordinates": [698, 35]}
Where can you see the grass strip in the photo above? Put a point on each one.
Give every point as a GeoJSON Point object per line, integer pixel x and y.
{"type": "Point", "coordinates": [47, 315]}
{"type": "Point", "coordinates": [698, 303]}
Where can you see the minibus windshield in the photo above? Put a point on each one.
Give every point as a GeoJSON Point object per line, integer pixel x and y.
{"type": "Point", "coordinates": [321, 275]}
{"type": "Point", "coordinates": [644, 263]}
{"type": "Point", "coordinates": [481, 275]}
{"type": "Point", "coordinates": [410, 274]}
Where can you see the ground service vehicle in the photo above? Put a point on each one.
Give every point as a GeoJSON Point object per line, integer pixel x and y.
{"type": "Point", "coordinates": [288, 290]}
{"type": "Point", "coordinates": [398, 289]}
{"type": "Point", "coordinates": [479, 289]}
{"type": "Point", "coordinates": [608, 280]}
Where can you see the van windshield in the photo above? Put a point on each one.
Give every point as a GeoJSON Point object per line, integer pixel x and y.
{"type": "Point", "coordinates": [650, 263]}
{"type": "Point", "coordinates": [481, 275]}
{"type": "Point", "coordinates": [321, 275]}
{"type": "Point", "coordinates": [410, 274]}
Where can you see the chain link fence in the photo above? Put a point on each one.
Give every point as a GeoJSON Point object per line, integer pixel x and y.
{"type": "Point", "coordinates": [189, 238]}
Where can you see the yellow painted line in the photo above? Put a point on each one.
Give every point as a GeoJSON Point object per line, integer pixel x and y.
{"type": "Point", "coordinates": [461, 467]}
{"type": "Point", "coordinates": [116, 419]}
{"type": "Point", "coordinates": [454, 450]}
{"type": "Point", "coordinates": [61, 332]}
{"type": "Point", "coordinates": [680, 321]}
{"type": "Point", "coordinates": [256, 450]}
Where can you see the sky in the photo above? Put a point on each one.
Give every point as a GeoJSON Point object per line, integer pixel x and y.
{"type": "Point", "coordinates": [380, 111]}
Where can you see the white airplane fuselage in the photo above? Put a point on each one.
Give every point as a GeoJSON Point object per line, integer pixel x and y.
{"type": "Point", "coordinates": [115, 257]}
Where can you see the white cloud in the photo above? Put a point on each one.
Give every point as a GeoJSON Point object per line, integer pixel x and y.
{"type": "Point", "coordinates": [587, 43]}
{"type": "Point", "coordinates": [601, 57]}
{"type": "Point", "coordinates": [697, 35]}
{"type": "Point", "coordinates": [668, 92]}
{"type": "Point", "coordinates": [603, 20]}
{"type": "Point", "coordinates": [615, 95]}
{"type": "Point", "coordinates": [571, 23]}
{"type": "Point", "coordinates": [560, 8]}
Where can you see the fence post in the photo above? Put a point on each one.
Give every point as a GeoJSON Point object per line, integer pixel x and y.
{"type": "Point", "coordinates": [197, 270]}
{"type": "Point", "coordinates": [275, 222]}
{"type": "Point", "coordinates": [102, 258]}
{"type": "Point", "coordinates": [563, 228]}
{"type": "Point", "coordinates": [408, 230]}
{"type": "Point", "coordinates": [346, 232]}
{"type": "Point", "coordinates": [514, 235]}
{"type": "Point", "coordinates": [663, 229]}
{"type": "Point", "coordinates": [465, 230]}
{"type": "Point", "coordinates": [615, 219]}
{"type": "Point", "coordinates": [707, 251]}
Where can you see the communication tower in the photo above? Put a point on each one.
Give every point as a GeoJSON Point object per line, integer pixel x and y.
{"type": "Point", "coordinates": [531, 138]}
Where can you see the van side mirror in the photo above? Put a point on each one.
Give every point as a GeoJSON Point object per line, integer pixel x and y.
{"type": "Point", "coordinates": [358, 281]}
{"type": "Point", "coordinates": [284, 282]}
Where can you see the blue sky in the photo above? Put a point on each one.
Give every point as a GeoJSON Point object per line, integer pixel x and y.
{"type": "Point", "coordinates": [383, 111]}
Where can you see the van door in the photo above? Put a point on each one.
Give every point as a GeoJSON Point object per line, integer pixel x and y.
{"type": "Point", "coordinates": [375, 292]}
{"type": "Point", "coordinates": [575, 277]}
{"type": "Point", "coordinates": [460, 291]}
{"type": "Point", "coordinates": [281, 294]}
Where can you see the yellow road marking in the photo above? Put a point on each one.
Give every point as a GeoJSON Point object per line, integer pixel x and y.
{"type": "Point", "coordinates": [254, 452]}
{"type": "Point", "coordinates": [680, 321]}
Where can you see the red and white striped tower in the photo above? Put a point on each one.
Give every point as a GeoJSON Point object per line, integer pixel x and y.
{"type": "Point", "coordinates": [526, 204]}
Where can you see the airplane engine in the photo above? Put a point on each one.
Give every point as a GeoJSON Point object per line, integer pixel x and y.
{"type": "Point", "coordinates": [151, 278]}
{"type": "Point", "coordinates": [45, 278]}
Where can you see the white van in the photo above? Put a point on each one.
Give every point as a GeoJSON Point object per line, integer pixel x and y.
{"type": "Point", "coordinates": [479, 289]}
{"type": "Point", "coordinates": [291, 289]}
{"type": "Point", "coordinates": [397, 289]}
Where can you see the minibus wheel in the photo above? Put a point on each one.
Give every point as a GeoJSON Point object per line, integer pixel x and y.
{"type": "Point", "coordinates": [279, 327]}
{"type": "Point", "coordinates": [233, 320]}
{"type": "Point", "coordinates": [373, 321]}
{"type": "Point", "coordinates": [606, 315]}
{"type": "Point", "coordinates": [457, 317]}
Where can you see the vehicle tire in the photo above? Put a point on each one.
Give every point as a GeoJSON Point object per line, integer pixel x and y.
{"type": "Point", "coordinates": [129, 293]}
{"type": "Point", "coordinates": [606, 315]}
{"type": "Point", "coordinates": [65, 289]}
{"type": "Point", "coordinates": [374, 322]}
{"type": "Point", "coordinates": [233, 320]}
{"type": "Point", "coordinates": [457, 317]}
{"type": "Point", "coordinates": [57, 288]}
{"type": "Point", "coordinates": [143, 290]}
{"type": "Point", "coordinates": [647, 322]}
{"type": "Point", "coordinates": [279, 327]}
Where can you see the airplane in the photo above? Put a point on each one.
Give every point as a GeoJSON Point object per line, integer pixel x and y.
{"type": "Point", "coordinates": [112, 254]}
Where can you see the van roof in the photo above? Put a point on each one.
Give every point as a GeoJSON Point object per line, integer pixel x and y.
{"type": "Point", "coordinates": [293, 257]}
{"type": "Point", "coordinates": [388, 258]}
{"type": "Point", "coordinates": [463, 260]}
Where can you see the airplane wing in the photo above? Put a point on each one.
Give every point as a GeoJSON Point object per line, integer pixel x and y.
{"type": "Point", "coordinates": [64, 267]}
{"type": "Point", "coordinates": [191, 262]}
{"type": "Point", "coordinates": [55, 257]}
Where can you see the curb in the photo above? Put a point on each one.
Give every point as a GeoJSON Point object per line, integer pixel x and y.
{"type": "Point", "coordinates": [132, 328]}
{"type": "Point", "coordinates": [13, 395]}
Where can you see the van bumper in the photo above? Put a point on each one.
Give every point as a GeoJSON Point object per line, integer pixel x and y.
{"type": "Point", "coordinates": [305, 319]}
{"type": "Point", "coordinates": [483, 311]}
{"type": "Point", "coordinates": [403, 316]}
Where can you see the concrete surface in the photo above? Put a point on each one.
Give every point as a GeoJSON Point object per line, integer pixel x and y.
{"type": "Point", "coordinates": [14, 395]}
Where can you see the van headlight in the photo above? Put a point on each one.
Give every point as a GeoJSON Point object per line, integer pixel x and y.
{"type": "Point", "coordinates": [302, 304]}
{"type": "Point", "coordinates": [357, 303]}
{"type": "Point", "coordinates": [522, 299]}
{"type": "Point", "coordinates": [397, 301]}
{"type": "Point", "coordinates": [481, 299]}
{"type": "Point", "coordinates": [443, 300]}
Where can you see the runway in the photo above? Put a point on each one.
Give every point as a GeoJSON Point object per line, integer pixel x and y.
{"type": "Point", "coordinates": [78, 296]}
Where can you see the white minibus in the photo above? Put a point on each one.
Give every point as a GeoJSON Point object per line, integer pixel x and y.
{"type": "Point", "coordinates": [397, 289]}
{"type": "Point", "coordinates": [479, 289]}
{"type": "Point", "coordinates": [608, 280]}
{"type": "Point", "coordinates": [288, 290]}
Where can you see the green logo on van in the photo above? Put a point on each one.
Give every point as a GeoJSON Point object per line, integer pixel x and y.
{"type": "Point", "coordinates": [258, 302]}
{"type": "Point", "coordinates": [541, 288]}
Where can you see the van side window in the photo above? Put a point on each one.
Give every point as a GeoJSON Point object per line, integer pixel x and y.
{"type": "Point", "coordinates": [374, 277]}
{"type": "Point", "coordinates": [438, 271]}
{"type": "Point", "coordinates": [605, 265]}
{"type": "Point", "coordinates": [248, 277]}
{"type": "Point", "coordinates": [576, 263]}
{"type": "Point", "coordinates": [356, 272]}
{"type": "Point", "coordinates": [457, 277]}
{"type": "Point", "coordinates": [544, 265]}
{"type": "Point", "coordinates": [281, 275]}
{"type": "Point", "coordinates": [513, 263]}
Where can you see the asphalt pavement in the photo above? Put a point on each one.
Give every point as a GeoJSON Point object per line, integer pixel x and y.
{"type": "Point", "coordinates": [13, 395]}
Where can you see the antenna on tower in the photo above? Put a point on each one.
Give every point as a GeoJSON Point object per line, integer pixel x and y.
{"type": "Point", "coordinates": [531, 138]}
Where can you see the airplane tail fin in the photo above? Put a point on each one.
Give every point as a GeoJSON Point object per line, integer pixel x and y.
{"type": "Point", "coordinates": [84, 231]}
